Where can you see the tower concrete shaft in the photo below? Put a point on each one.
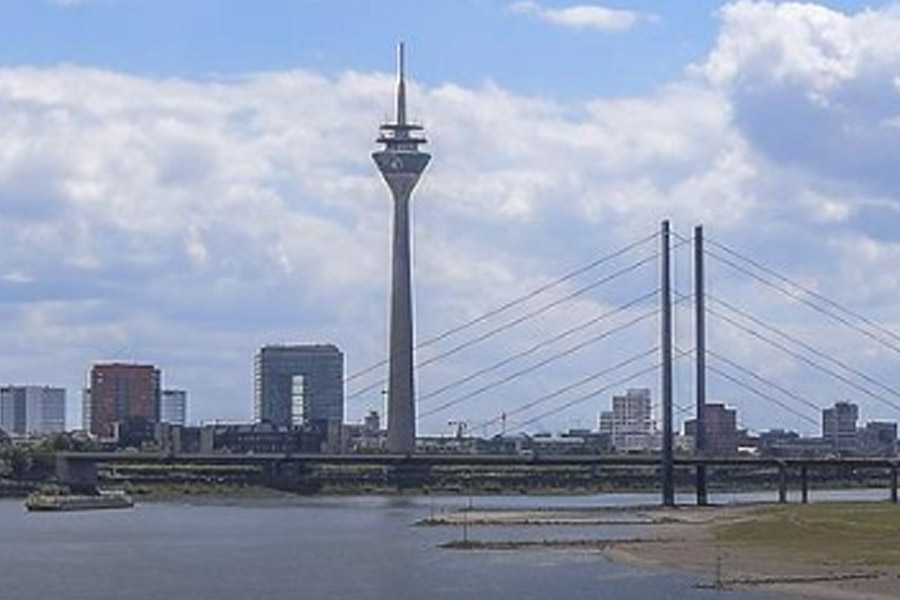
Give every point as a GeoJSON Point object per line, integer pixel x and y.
{"type": "Point", "coordinates": [401, 164]}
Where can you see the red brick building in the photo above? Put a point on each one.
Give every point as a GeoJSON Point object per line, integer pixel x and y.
{"type": "Point", "coordinates": [122, 391]}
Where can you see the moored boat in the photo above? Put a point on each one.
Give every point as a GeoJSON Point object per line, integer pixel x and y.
{"type": "Point", "coordinates": [39, 501]}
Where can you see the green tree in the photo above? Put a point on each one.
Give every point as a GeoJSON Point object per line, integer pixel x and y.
{"type": "Point", "coordinates": [15, 461]}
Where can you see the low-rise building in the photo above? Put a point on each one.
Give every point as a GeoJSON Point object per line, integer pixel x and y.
{"type": "Point", "coordinates": [364, 437]}
{"type": "Point", "coordinates": [779, 442]}
{"type": "Point", "coordinates": [261, 438]}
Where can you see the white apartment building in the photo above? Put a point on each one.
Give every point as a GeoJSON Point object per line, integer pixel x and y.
{"type": "Point", "coordinates": [173, 407]}
{"type": "Point", "coordinates": [630, 423]}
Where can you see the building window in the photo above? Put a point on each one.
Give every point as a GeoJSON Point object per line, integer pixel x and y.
{"type": "Point", "coordinates": [298, 399]}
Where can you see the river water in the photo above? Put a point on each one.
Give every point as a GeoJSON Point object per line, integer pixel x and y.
{"type": "Point", "coordinates": [305, 548]}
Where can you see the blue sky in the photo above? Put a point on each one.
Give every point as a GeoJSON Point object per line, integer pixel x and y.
{"type": "Point", "coordinates": [465, 42]}
{"type": "Point", "coordinates": [184, 181]}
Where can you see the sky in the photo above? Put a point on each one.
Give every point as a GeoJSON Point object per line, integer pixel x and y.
{"type": "Point", "coordinates": [184, 182]}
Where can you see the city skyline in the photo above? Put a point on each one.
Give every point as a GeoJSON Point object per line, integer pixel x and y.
{"type": "Point", "coordinates": [222, 196]}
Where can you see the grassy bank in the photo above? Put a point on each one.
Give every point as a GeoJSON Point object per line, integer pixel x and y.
{"type": "Point", "coordinates": [182, 491]}
{"type": "Point", "coordinates": [846, 533]}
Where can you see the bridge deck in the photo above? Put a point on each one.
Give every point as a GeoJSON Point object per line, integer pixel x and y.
{"type": "Point", "coordinates": [477, 459]}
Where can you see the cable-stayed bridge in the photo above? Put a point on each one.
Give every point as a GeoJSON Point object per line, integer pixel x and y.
{"type": "Point", "coordinates": [637, 298]}
{"type": "Point", "coordinates": [632, 315]}
{"type": "Point", "coordinates": [666, 311]}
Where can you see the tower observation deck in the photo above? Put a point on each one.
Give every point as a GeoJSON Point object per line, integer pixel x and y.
{"type": "Point", "coordinates": [401, 163]}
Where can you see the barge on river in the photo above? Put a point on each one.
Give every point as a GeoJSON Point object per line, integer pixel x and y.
{"type": "Point", "coordinates": [64, 502]}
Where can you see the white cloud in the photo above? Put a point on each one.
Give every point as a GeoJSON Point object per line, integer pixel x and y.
{"type": "Point", "coordinates": [584, 16]}
{"type": "Point", "coordinates": [811, 45]}
{"type": "Point", "coordinates": [197, 221]}
{"type": "Point", "coordinates": [187, 223]}
{"type": "Point", "coordinates": [813, 87]}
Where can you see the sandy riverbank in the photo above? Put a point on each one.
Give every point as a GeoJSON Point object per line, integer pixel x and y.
{"type": "Point", "coordinates": [687, 540]}
{"type": "Point", "coordinates": [690, 538]}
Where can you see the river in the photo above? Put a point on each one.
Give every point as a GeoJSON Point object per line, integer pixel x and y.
{"type": "Point", "coordinates": [318, 547]}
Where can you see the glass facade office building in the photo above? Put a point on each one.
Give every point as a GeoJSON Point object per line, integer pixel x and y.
{"type": "Point", "coordinates": [299, 384]}
{"type": "Point", "coordinates": [32, 409]}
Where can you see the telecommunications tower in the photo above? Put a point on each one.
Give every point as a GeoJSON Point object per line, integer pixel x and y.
{"type": "Point", "coordinates": [401, 163]}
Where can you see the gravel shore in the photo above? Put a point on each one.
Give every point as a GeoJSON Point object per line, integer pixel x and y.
{"type": "Point", "coordinates": [685, 538]}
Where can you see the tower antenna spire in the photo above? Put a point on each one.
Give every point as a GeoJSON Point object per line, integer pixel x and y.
{"type": "Point", "coordinates": [401, 164]}
{"type": "Point", "coordinates": [401, 85]}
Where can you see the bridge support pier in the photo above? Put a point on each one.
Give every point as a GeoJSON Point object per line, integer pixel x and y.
{"type": "Point", "coordinates": [782, 484]}
{"type": "Point", "coordinates": [407, 476]}
{"type": "Point", "coordinates": [291, 476]}
{"type": "Point", "coordinates": [804, 484]}
{"type": "Point", "coordinates": [894, 483]}
{"type": "Point", "coordinates": [80, 476]}
{"type": "Point", "coordinates": [702, 497]}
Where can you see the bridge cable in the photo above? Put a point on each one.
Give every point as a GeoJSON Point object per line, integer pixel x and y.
{"type": "Point", "coordinates": [765, 381]}
{"type": "Point", "coordinates": [737, 367]}
{"type": "Point", "coordinates": [593, 394]}
{"type": "Point", "coordinates": [535, 347]}
{"type": "Point", "coordinates": [540, 364]}
{"type": "Point", "coordinates": [567, 388]}
{"type": "Point", "coordinates": [763, 395]}
{"type": "Point", "coordinates": [513, 323]}
{"type": "Point", "coordinates": [514, 302]}
{"type": "Point", "coordinates": [809, 348]}
{"type": "Point", "coordinates": [805, 359]}
{"type": "Point", "coordinates": [800, 298]}
{"type": "Point", "coordinates": [813, 293]}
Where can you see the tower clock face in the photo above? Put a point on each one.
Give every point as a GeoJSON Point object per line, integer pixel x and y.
{"type": "Point", "coordinates": [396, 163]}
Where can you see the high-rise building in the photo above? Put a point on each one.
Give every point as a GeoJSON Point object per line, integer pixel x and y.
{"type": "Point", "coordinates": [839, 426]}
{"type": "Point", "coordinates": [120, 392]}
{"type": "Point", "coordinates": [173, 407]}
{"type": "Point", "coordinates": [32, 409]}
{"type": "Point", "coordinates": [878, 438]}
{"type": "Point", "coordinates": [12, 410]}
{"type": "Point", "coordinates": [401, 164]}
{"type": "Point", "coordinates": [86, 409]}
{"type": "Point", "coordinates": [721, 430]}
{"type": "Point", "coordinates": [630, 422]}
{"type": "Point", "coordinates": [299, 384]}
